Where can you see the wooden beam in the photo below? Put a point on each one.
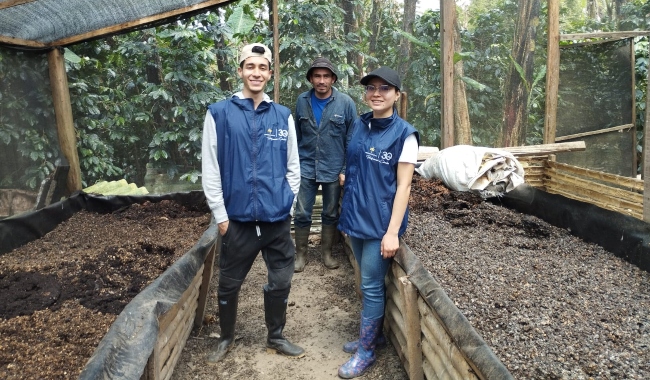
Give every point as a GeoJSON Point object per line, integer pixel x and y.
{"type": "Point", "coordinates": [633, 97]}
{"type": "Point", "coordinates": [403, 106]}
{"type": "Point", "coordinates": [544, 149]}
{"type": "Point", "coordinates": [120, 28]}
{"type": "Point", "coordinates": [4, 40]}
{"type": "Point", "coordinates": [204, 291]}
{"type": "Point", "coordinates": [552, 71]}
{"type": "Point", "coordinates": [409, 296]}
{"type": "Point", "coordinates": [604, 35]}
{"type": "Point", "coordinates": [590, 43]}
{"type": "Point", "coordinates": [592, 133]}
{"type": "Point", "coordinates": [13, 3]}
{"type": "Point", "coordinates": [63, 113]}
{"type": "Point", "coordinates": [447, 9]}
{"type": "Point", "coordinates": [646, 155]}
{"type": "Point", "coordinates": [276, 53]}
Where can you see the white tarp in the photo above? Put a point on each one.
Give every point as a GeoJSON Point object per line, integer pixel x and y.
{"type": "Point", "coordinates": [489, 171]}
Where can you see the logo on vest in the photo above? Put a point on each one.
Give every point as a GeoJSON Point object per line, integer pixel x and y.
{"type": "Point", "coordinates": [380, 156]}
{"type": "Point", "coordinates": [278, 134]}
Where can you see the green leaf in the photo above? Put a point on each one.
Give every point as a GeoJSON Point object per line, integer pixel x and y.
{"type": "Point", "coordinates": [474, 84]}
{"type": "Point", "coordinates": [70, 56]}
{"type": "Point", "coordinates": [240, 22]}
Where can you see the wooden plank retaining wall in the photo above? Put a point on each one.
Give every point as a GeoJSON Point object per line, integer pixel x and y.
{"type": "Point", "coordinates": [608, 191]}
{"type": "Point", "coordinates": [176, 325]}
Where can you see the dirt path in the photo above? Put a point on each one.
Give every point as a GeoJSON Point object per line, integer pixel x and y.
{"type": "Point", "coordinates": [323, 314]}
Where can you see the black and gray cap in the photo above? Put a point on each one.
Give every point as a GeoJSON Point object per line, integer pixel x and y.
{"type": "Point", "coordinates": [321, 63]}
{"type": "Point", "coordinates": [390, 76]}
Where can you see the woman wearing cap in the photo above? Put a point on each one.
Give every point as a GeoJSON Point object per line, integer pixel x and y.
{"type": "Point", "coordinates": [381, 157]}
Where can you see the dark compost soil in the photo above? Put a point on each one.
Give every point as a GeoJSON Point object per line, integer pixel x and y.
{"type": "Point", "coordinates": [550, 305]}
{"type": "Point", "coordinates": [60, 294]}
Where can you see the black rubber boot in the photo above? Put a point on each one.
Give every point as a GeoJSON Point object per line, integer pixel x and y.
{"type": "Point", "coordinates": [301, 236]}
{"type": "Point", "coordinates": [328, 236]}
{"type": "Point", "coordinates": [227, 319]}
{"type": "Point", "coordinates": [275, 311]}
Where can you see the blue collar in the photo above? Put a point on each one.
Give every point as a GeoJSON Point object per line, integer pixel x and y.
{"type": "Point", "coordinates": [379, 123]}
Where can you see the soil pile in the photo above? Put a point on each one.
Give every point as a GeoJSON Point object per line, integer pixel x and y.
{"type": "Point", "coordinates": [550, 305]}
{"type": "Point", "coordinates": [60, 294]}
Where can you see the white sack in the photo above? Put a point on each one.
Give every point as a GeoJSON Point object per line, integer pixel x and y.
{"type": "Point", "coordinates": [489, 171]}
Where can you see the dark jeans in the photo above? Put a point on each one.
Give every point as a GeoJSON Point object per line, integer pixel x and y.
{"type": "Point", "coordinates": [239, 248]}
{"type": "Point", "coordinates": [307, 197]}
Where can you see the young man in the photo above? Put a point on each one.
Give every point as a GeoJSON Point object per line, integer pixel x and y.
{"type": "Point", "coordinates": [251, 175]}
{"type": "Point", "coordinates": [325, 117]}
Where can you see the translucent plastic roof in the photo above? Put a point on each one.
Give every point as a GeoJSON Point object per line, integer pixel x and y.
{"type": "Point", "coordinates": [44, 23]}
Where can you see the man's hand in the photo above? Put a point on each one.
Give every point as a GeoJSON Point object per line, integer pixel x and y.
{"type": "Point", "coordinates": [341, 179]}
{"type": "Point", "coordinates": [223, 227]}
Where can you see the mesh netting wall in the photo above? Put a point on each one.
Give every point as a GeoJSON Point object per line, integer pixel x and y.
{"type": "Point", "coordinates": [29, 146]}
{"type": "Point", "coordinates": [595, 93]}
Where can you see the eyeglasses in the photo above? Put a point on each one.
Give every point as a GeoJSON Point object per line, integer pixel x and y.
{"type": "Point", "coordinates": [383, 89]}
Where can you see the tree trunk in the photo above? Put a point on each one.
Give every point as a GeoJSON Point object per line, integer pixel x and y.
{"type": "Point", "coordinates": [517, 91]}
{"type": "Point", "coordinates": [592, 10]}
{"type": "Point", "coordinates": [405, 43]}
{"type": "Point", "coordinates": [222, 60]}
{"type": "Point", "coordinates": [462, 126]}
{"type": "Point", "coordinates": [352, 19]}
{"type": "Point", "coordinates": [376, 29]}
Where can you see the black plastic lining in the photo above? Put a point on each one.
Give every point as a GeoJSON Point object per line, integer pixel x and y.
{"type": "Point", "coordinates": [625, 236]}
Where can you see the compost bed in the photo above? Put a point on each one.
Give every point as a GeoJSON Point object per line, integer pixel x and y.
{"type": "Point", "coordinates": [60, 294]}
{"type": "Point", "coordinates": [550, 305]}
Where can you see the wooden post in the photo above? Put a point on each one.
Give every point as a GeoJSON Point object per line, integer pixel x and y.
{"type": "Point", "coordinates": [403, 106]}
{"type": "Point", "coordinates": [63, 113]}
{"type": "Point", "coordinates": [208, 267]}
{"type": "Point", "coordinates": [646, 157]}
{"type": "Point", "coordinates": [552, 71]}
{"type": "Point", "coordinates": [633, 110]}
{"type": "Point", "coordinates": [409, 295]}
{"type": "Point", "coordinates": [276, 54]}
{"type": "Point", "coordinates": [447, 78]}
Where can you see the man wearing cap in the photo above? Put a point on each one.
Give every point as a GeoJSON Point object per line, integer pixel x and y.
{"type": "Point", "coordinates": [325, 117]}
{"type": "Point", "coordinates": [250, 176]}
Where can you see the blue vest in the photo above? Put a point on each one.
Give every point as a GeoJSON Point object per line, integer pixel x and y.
{"type": "Point", "coordinates": [371, 176]}
{"type": "Point", "coordinates": [252, 156]}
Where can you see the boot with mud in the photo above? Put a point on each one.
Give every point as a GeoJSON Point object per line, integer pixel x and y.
{"type": "Point", "coordinates": [301, 236]}
{"type": "Point", "coordinates": [328, 237]}
{"type": "Point", "coordinates": [227, 319]}
{"type": "Point", "coordinates": [275, 312]}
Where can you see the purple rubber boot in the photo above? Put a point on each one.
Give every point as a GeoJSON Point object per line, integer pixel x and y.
{"type": "Point", "coordinates": [351, 347]}
{"type": "Point", "coordinates": [364, 357]}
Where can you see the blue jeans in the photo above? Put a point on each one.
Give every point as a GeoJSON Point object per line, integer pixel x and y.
{"type": "Point", "coordinates": [373, 269]}
{"type": "Point", "coordinates": [307, 197]}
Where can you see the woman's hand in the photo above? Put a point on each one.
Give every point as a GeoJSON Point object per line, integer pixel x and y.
{"type": "Point", "coordinates": [389, 245]}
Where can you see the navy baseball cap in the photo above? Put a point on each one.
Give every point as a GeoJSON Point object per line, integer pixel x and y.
{"type": "Point", "coordinates": [390, 76]}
